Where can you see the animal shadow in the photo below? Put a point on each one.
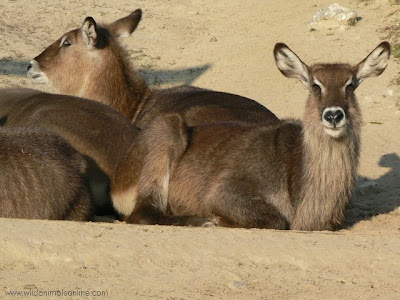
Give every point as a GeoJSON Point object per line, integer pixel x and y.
{"type": "Point", "coordinates": [13, 67]}
{"type": "Point", "coordinates": [376, 196]}
{"type": "Point", "coordinates": [184, 76]}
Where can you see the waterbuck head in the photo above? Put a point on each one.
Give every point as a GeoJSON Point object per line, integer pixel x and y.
{"type": "Point", "coordinates": [82, 52]}
{"type": "Point", "coordinates": [331, 102]}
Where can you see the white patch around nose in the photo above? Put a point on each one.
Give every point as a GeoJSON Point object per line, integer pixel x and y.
{"type": "Point", "coordinates": [36, 74]}
{"type": "Point", "coordinates": [338, 129]}
{"type": "Point", "coordinates": [335, 132]}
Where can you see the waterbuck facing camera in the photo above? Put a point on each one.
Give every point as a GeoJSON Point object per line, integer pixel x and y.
{"type": "Point", "coordinates": [289, 175]}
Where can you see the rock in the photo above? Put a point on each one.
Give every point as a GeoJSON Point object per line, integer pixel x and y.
{"type": "Point", "coordinates": [213, 39]}
{"type": "Point", "coordinates": [334, 15]}
{"type": "Point", "coordinates": [368, 187]}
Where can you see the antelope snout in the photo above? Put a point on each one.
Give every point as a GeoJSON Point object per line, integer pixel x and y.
{"type": "Point", "coordinates": [333, 117]}
{"type": "Point", "coordinates": [29, 66]}
{"type": "Point", "coordinates": [334, 120]}
{"type": "Point", "coordinates": [35, 73]}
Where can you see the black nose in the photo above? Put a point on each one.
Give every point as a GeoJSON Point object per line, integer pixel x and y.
{"type": "Point", "coordinates": [334, 116]}
{"type": "Point", "coordinates": [29, 66]}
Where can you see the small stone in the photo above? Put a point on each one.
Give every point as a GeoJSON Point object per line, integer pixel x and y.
{"type": "Point", "coordinates": [213, 39]}
{"type": "Point", "coordinates": [334, 15]}
{"type": "Point", "coordinates": [234, 285]}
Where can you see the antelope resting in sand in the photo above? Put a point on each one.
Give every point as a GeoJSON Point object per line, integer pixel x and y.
{"type": "Point", "coordinates": [96, 130]}
{"type": "Point", "coordinates": [42, 177]}
{"type": "Point", "coordinates": [89, 62]}
{"type": "Point", "coordinates": [289, 175]}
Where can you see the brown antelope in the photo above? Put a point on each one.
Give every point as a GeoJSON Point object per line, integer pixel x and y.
{"type": "Point", "coordinates": [105, 138]}
{"type": "Point", "coordinates": [42, 177]}
{"type": "Point", "coordinates": [97, 131]}
{"type": "Point", "coordinates": [89, 62]}
{"type": "Point", "coordinates": [289, 175]}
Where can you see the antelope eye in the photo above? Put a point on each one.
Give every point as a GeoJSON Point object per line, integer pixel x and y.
{"type": "Point", "coordinates": [316, 87]}
{"type": "Point", "coordinates": [64, 42]}
{"type": "Point", "coordinates": [351, 86]}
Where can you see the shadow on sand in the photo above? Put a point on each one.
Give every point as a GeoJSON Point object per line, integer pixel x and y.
{"type": "Point", "coordinates": [12, 67]}
{"type": "Point", "coordinates": [184, 76]}
{"type": "Point", "coordinates": [376, 196]}
{"type": "Point", "coordinates": [176, 77]}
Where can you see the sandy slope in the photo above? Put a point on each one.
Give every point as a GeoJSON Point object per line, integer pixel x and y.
{"type": "Point", "coordinates": [223, 45]}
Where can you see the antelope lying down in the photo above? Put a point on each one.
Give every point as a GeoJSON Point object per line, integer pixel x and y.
{"type": "Point", "coordinates": [97, 131]}
{"type": "Point", "coordinates": [90, 62]}
{"type": "Point", "coordinates": [42, 177]}
{"type": "Point", "coordinates": [293, 174]}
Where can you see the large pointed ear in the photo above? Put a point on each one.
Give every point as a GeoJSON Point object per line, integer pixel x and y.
{"type": "Point", "coordinates": [89, 31]}
{"type": "Point", "coordinates": [125, 26]}
{"type": "Point", "coordinates": [290, 64]}
{"type": "Point", "coordinates": [375, 63]}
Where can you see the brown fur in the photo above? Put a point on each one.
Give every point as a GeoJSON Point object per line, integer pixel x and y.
{"type": "Point", "coordinates": [94, 65]}
{"type": "Point", "coordinates": [291, 174]}
{"type": "Point", "coordinates": [98, 132]}
{"type": "Point", "coordinates": [42, 177]}
{"type": "Point", "coordinates": [141, 185]}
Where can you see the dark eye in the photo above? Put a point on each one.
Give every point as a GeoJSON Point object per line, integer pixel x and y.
{"type": "Point", "coordinates": [316, 87]}
{"type": "Point", "coordinates": [351, 86]}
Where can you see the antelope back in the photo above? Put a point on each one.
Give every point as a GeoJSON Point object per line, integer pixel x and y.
{"type": "Point", "coordinates": [97, 131]}
{"type": "Point", "coordinates": [42, 177]}
{"type": "Point", "coordinates": [89, 62]}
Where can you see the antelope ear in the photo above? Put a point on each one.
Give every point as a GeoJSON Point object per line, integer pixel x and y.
{"type": "Point", "coordinates": [125, 26]}
{"type": "Point", "coordinates": [375, 63]}
{"type": "Point", "coordinates": [290, 64]}
{"type": "Point", "coordinates": [89, 31]}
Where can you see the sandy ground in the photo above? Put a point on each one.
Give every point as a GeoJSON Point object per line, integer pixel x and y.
{"type": "Point", "coordinates": [224, 45]}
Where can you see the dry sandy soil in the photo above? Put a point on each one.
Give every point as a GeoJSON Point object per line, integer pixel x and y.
{"type": "Point", "coordinates": [224, 45]}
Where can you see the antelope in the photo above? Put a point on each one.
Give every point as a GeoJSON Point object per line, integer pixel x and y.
{"type": "Point", "coordinates": [101, 134]}
{"type": "Point", "coordinates": [89, 62]}
{"type": "Point", "coordinates": [42, 177]}
{"type": "Point", "coordinates": [288, 175]}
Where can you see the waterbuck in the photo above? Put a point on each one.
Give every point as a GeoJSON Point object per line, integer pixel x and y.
{"type": "Point", "coordinates": [289, 175]}
{"type": "Point", "coordinates": [89, 62]}
{"type": "Point", "coordinates": [96, 130]}
{"type": "Point", "coordinates": [42, 177]}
